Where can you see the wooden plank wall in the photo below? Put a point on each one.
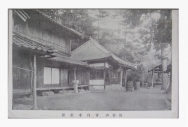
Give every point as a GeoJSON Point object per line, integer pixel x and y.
{"type": "Point", "coordinates": [40, 74]}
{"type": "Point", "coordinates": [83, 75]}
{"type": "Point", "coordinates": [21, 77]}
{"type": "Point", "coordinates": [113, 80]}
{"type": "Point", "coordinates": [40, 35]}
{"type": "Point", "coordinates": [63, 73]}
{"type": "Point", "coordinates": [64, 77]}
{"type": "Point", "coordinates": [71, 77]}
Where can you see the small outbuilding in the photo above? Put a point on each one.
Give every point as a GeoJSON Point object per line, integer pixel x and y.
{"type": "Point", "coordinates": [106, 69]}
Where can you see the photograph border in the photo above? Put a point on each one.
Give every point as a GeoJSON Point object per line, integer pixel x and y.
{"type": "Point", "coordinates": [173, 113]}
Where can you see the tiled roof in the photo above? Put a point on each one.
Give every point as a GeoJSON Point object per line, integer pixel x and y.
{"type": "Point", "coordinates": [24, 15]}
{"type": "Point", "coordinates": [89, 51]}
{"type": "Point", "coordinates": [68, 60]}
{"type": "Point", "coordinates": [33, 43]}
{"type": "Point", "coordinates": [128, 64]}
{"type": "Point", "coordinates": [30, 43]}
{"type": "Point", "coordinates": [92, 50]}
{"type": "Point", "coordinates": [61, 25]}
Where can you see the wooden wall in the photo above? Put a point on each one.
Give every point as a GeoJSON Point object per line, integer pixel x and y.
{"type": "Point", "coordinates": [21, 77]}
{"type": "Point", "coordinates": [34, 30]}
{"type": "Point", "coordinates": [113, 80]}
{"type": "Point", "coordinates": [64, 77]}
{"type": "Point", "coordinates": [82, 74]}
{"type": "Point", "coordinates": [63, 73]}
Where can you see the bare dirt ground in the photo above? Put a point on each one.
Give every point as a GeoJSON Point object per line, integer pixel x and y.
{"type": "Point", "coordinates": [141, 100]}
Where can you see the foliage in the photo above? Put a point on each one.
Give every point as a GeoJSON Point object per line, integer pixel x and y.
{"type": "Point", "coordinates": [138, 32]}
{"type": "Point", "coordinates": [77, 19]}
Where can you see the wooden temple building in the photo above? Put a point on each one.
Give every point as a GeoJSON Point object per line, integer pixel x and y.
{"type": "Point", "coordinates": [106, 69]}
{"type": "Point", "coordinates": [41, 50]}
{"type": "Point", "coordinates": [42, 57]}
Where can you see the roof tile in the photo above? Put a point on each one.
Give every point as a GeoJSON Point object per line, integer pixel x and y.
{"type": "Point", "coordinates": [92, 50]}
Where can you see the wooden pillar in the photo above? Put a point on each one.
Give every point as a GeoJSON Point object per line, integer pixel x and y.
{"type": "Point", "coordinates": [70, 46]}
{"type": "Point", "coordinates": [152, 78]}
{"type": "Point", "coordinates": [74, 73]}
{"type": "Point", "coordinates": [35, 83]}
{"type": "Point", "coordinates": [75, 82]}
{"type": "Point", "coordinates": [121, 78]}
{"type": "Point", "coordinates": [104, 79]}
{"type": "Point", "coordinates": [31, 76]}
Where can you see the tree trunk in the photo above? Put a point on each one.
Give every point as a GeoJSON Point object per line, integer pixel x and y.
{"type": "Point", "coordinates": [164, 76]}
{"type": "Point", "coordinates": [125, 74]}
{"type": "Point", "coordinates": [152, 78]}
{"type": "Point", "coordinates": [169, 88]}
{"type": "Point", "coordinates": [164, 66]}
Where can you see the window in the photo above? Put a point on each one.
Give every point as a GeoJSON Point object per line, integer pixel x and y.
{"type": "Point", "coordinates": [51, 75]}
{"type": "Point", "coordinates": [97, 74]}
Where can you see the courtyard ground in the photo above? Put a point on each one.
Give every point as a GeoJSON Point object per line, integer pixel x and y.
{"type": "Point", "coordinates": [140, 100]}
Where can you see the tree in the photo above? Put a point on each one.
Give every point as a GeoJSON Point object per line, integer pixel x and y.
{"type": "Point", "coordinates": [163, 36]}
{"type": "Point", "coordinates": [159, 29]}
{"type": "Point", "coordinates": [77, 19]}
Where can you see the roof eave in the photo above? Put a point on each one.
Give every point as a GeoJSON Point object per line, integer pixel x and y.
{"type": "Point", "coordinates": [61, 25]}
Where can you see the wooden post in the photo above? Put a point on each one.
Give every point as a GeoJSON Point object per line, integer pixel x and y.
{"type": "Point", "coordinates": [75, 82]}
{"type": "Point", "coordinates": [121, 78]}
{"type": "Point", "coordinates": [104, 79]}
{"type": "Point", "coordinates": [74, 73]}
{"type": "Point", "coordinates": [35, 84]}
{"type": "Point", "coordinates": [70, 46]}
{"type": "Point", "coordinates": [152, 78]}
{"type": "Point", "coordinates": [31, 76]}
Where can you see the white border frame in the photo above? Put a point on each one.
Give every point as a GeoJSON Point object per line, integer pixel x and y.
{"type": "Point", "coordinates": [173, 113]}
{"type": "Point", "coordinates": [183, 20]}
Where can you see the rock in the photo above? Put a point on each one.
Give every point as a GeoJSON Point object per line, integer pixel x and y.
{"type": "Point", "coordinates": [47, 93]}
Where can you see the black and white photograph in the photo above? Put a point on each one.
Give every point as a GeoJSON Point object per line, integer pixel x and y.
{"type": "Point", "coordinates": [102, 62]}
